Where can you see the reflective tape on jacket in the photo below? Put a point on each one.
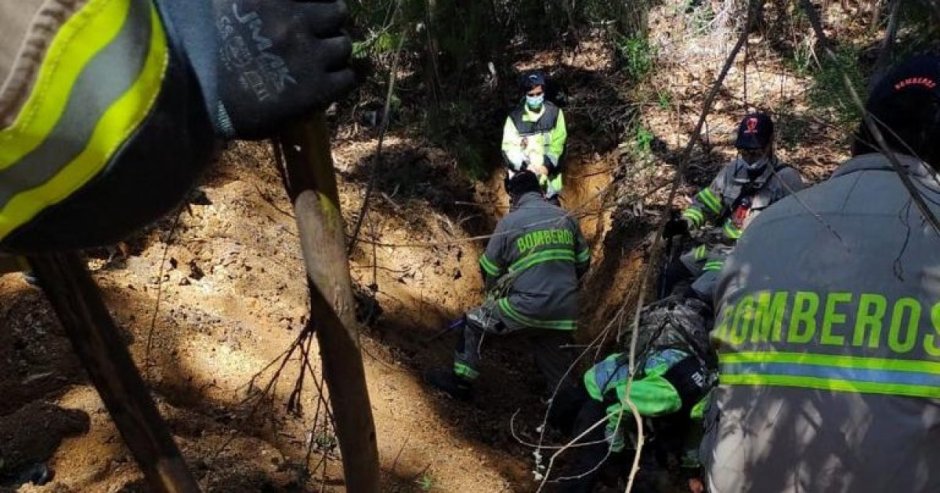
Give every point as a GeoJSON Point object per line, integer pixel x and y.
{"type": "Point", "coordinates": [506, 307]}
{"type": "Point", "coordinates": [694, 215]}
{"type": "Point", "coordinates": [98, 82]}
{"type": "Point", "coordinates": [714, 265]}
{"type": "Point", "coordinates": [832, 372]}
{"type": "Point", "coordinates": [710, 200]}
{"type": "Point", "coordinates": [732, 231]}
{"type": "Point", "coordinates": [550, 255]}
{"type": "Point", "coordinates": [489, 266]}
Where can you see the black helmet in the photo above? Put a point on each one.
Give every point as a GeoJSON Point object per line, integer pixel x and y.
{"type": "Point", "coordinates": [533, 79]}
{"type": "Point", "coordinates": [906, 106]}
{"type": "Point", "coordinates": [523, 182]}
{"type": "Point", "coordinates": [756, 131]}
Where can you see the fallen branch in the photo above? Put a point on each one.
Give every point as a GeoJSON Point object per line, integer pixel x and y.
{"type": "Point", "coordinates": [77, 302]}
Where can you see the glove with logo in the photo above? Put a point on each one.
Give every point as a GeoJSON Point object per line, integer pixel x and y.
{"type": "Point", "coordinates": [260, 63]}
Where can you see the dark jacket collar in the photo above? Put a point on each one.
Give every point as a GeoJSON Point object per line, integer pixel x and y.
{"type": "Point", "coordinates": [527, 198]}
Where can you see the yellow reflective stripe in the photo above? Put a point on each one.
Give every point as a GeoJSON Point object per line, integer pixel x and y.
{"type": "Point", "coordinates": [840, 361]}
{"type": "Point", "coordinates": [511, 312]}
{"type": "Point", "coordinates": [465, 371]}
{"type": "Point", "coordinates": [714, 265]}
{"type": "Point", "coordinates": [695, 215]}
{"type": "Point", "coordinates": [817, 383]}
{"type": "Point", "coordinates": [842, 373]}
{"type": "Point", "coordinates": [699, 252]}
{"type": "Point", "coordinates": [583, 256]}
{"type": "Point", "coordinates": [710, 200]}
{"type": "Point", "coordinates": [490, 267]}
{"type": "Point", "coordinates": [119, 121]}
{"type": "Point", "coordinates": [98, 23]}
{"type": "Point", "coordinates": [732, 231]}
{"type": "Point", "coordinates": [541, 257]}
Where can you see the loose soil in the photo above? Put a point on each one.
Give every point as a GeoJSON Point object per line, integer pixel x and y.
{"type": "Point", "coordinates": [229, 278]}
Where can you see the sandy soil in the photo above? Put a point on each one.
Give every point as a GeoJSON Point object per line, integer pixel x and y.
{"type": "Point", "coordinates": [232, 296]}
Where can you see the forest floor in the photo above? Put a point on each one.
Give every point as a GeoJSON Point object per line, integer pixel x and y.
{"type": "Point", "coordinates": [232, 296]}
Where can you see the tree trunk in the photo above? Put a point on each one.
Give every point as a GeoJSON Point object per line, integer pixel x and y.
{"type": "Point", "coordinates": [311, 185]}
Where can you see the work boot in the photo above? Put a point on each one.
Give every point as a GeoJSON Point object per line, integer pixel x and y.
{"type": "Point", "coordinates": [443, 379]}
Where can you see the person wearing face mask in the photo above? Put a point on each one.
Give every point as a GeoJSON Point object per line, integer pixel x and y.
{"type": "Point", "coordinates": [534, 137]}
{"type": "Point", "coordinates": [749, 184]}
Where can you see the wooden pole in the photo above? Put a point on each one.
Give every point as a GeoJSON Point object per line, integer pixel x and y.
{"type": "Point", "coordinates": [77, 302]}
{"type": "Point", "coordinates": [311, 185]}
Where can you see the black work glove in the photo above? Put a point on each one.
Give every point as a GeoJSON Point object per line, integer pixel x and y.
{"type": "Point", "coordinates": [261, 63]}
{"type": "Point", "coordinates": [677, 226]}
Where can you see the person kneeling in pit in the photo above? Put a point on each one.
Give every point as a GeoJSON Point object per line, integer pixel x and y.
{"type": "Point", "coordinates": [532, 266]}
{"type": "Point", "coordinates": [675, 370]}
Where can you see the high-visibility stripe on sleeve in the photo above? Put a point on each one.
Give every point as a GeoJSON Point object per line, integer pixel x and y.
{"type": "Point", "coordinates": [714, 265]}
{"type": "Point", "coordinates": [710, 200]}
{"type": "Point", "coordinates": [700, 252]}
{"type": "Point", "coordinates": [99, 80]}
{"type": "Point", "coordinates": [583, 256]}
{"type": "Point", "coordinates": [489, 266]}
{"type": "Point", "coordinates": [732, 231]}
{"type": "Point", "coordinates": [465, 371]}
{"type": "Point", "coordinates": [694, 215]}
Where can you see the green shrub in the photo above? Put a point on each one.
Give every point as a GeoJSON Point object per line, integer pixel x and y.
{"type": "Point", "coordinates": [829, 91]}
{"type": "Point", "coordinates": [637, 54]}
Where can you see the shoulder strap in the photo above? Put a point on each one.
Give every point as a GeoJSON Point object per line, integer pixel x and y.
{"type": "Point", "coordinates": [546, 123]}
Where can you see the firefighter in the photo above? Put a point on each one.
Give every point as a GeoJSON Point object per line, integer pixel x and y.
{"type": "Point", "coordinates": [534, 137]}
{"type": "Point", "coordinates": [532, 266]}
{"type": "Point", "coordinates": [675, 371]}
{"type": "Point", "coordinates": [828, 328]}
{"type": "Point", "coordinates": [741, 190]}
{"type": "Point", "coordinates": [110, 109]}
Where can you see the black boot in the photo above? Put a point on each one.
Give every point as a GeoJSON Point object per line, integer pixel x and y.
{"type": "Point", "coordinates": [444, 380]}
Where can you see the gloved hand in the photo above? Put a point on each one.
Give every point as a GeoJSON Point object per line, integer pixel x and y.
{"type": "Point", "coordinates": [677, 226]}
{"type": "Point", "coordinates": [261, 63]}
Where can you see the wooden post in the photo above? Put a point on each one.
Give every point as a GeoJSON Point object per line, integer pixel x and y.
{"type": "Point", "coordinates": [311, 185]}
{"type": "Point", "coordinates": [77, 302]}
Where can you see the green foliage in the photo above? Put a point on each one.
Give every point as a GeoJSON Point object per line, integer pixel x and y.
{"type": "Point", "coordinates": [643, 140]}
{"type": "Point", "coordinates": [377, 45]}
{"type": "Point", "coordinates": [829, 91]}
{"type": "Point", "coordinates": [637, 54]}
{"type": "Point", "coordinates": [663, 99]}
{"type": "Point", "coordinates": [325, 441]}
{"type": "Point", "coordinates": [425, 482]}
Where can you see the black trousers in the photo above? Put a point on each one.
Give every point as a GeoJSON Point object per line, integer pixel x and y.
{"type": "Point", "coordinates": [589, 463]}
{"type": "Point", "coordinates": [591, 457]}
{"type": "Point", "coordinates": [554, 359]}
